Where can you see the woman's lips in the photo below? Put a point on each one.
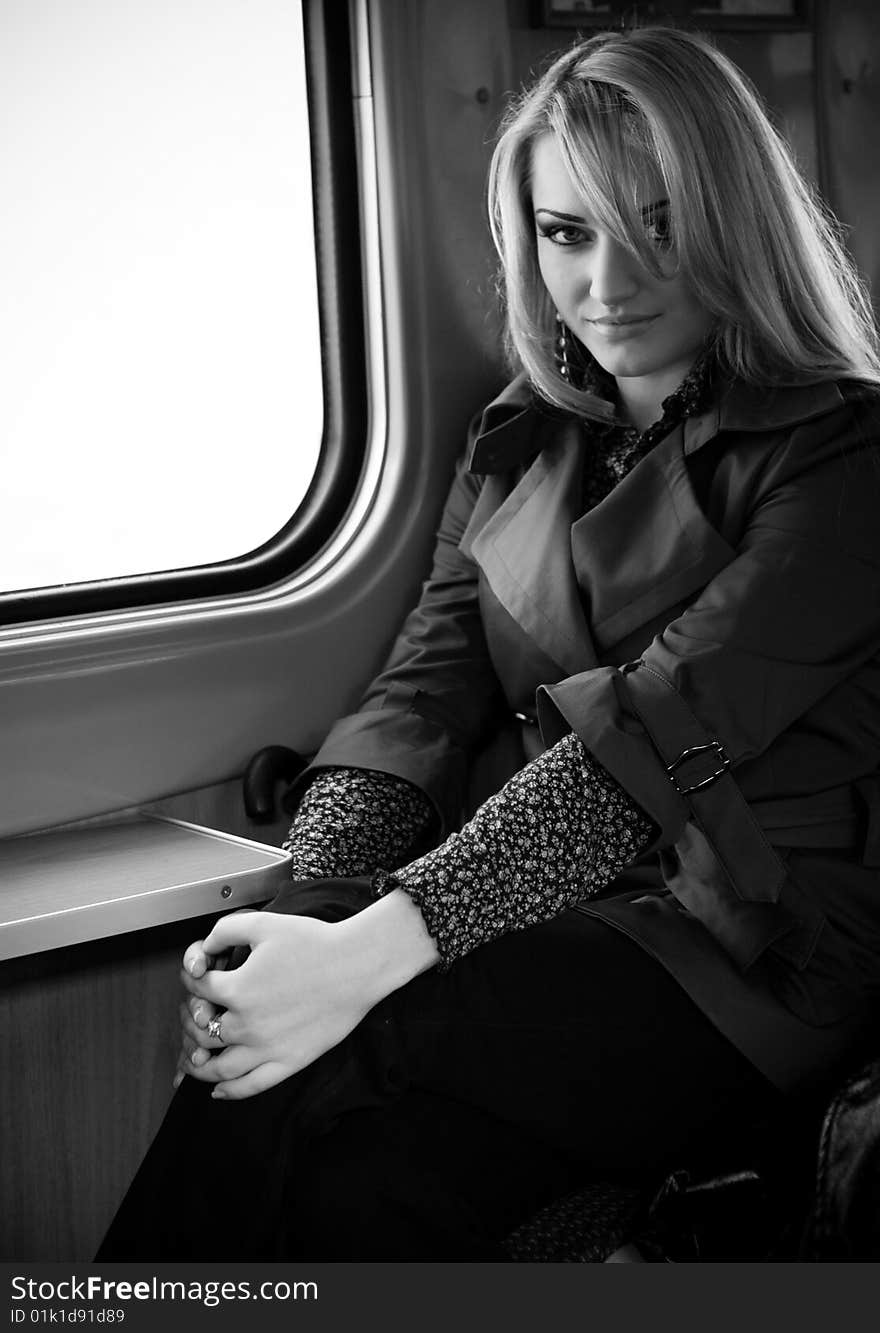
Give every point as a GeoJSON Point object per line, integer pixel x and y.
{"type": "Point", "coordinates": [619, 330]}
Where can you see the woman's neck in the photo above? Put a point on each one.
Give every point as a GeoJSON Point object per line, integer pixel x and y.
{"type": "Point", "coordinates": [642, 396]}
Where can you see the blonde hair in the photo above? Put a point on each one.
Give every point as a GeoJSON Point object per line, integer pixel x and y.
{"type": "Point", "coordinates": [755, 244]}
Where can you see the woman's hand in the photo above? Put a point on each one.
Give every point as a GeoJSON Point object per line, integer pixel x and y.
{"type": "Point", "coordinates": [196, 1011]}
{"type": "Point", "coordinates": [305, 985]}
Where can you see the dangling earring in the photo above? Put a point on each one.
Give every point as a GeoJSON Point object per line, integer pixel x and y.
{"type": "Point", "coordinates": [562, 363]}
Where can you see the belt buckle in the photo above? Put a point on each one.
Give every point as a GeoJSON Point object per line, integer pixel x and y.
{"type": "Point", "coordinates": [716, 748]}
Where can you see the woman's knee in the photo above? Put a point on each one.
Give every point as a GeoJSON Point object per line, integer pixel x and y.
{"type": "Point", "coordinates": [325, 899]}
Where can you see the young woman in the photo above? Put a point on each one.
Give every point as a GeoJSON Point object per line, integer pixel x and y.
{"type": "Point", "coordinates": [657, 577]}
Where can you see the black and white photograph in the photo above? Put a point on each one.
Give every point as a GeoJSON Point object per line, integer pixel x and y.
{"type": "Point", "coordinates": [439, 653]}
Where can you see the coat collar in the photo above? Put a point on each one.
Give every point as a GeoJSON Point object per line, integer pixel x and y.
{"type": "Point", "coordinates": [506, 434]}
{"type": "Point", "coordinates": [744, 408]}
{"type": "Point", "coordinates": [581, 584]}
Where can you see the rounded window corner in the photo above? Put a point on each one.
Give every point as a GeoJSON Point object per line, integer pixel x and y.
{"type": "Point", "coordinates": [339, 471]}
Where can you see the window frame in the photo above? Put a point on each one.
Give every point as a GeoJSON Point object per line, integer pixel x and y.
{"type": "Point", "coordinates": [335, 187]}
{"type": "Point", "coordinates": [620, 12]}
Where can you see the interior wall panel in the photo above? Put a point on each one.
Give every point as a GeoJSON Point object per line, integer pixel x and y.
{"type": "Point", "coordinates": [848, 44]}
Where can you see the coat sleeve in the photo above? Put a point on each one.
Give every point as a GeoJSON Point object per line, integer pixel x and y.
{"type": "Point", "coordinates": [796, 612]}
{"type": "Point", "coordinates": [438, 696]}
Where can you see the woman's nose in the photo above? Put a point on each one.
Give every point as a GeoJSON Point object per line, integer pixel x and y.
{"type": "Point", "coordinates": [614, 272]}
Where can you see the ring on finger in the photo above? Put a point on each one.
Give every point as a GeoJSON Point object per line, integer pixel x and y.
{"type": "Point", "coordinates": [215, 1028]}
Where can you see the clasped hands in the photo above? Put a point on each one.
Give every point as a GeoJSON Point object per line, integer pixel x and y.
{"type": "Point", "coordinates": [304, 986]}
{"type": "Point", "coordinates": [301, 990]}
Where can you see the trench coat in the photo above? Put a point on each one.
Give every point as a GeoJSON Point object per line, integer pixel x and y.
{"type": "Point", "coordinates": [711, 632]}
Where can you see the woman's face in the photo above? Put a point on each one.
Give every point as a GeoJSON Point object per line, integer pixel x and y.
{"type": "Point", "coordinates": [637, 326]}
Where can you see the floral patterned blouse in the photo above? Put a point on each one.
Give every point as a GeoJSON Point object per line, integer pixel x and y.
{"type": "Point", "coordinates": [558, 831]}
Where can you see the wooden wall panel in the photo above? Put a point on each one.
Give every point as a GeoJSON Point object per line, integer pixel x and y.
{"type": "Point", "coordinates": [781, 65]}
{"type": "Point", "coordinates": [848, 50]}
{"type": "Point", "coordinates": [88, 1048]}
{"type": "Point", "coordinates": [88, 1042]}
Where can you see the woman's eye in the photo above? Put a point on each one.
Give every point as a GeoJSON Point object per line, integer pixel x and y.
{"type": "Point", "coordinates": [658, 230]}
{"type": "Point", "coordinates": [563, 234]}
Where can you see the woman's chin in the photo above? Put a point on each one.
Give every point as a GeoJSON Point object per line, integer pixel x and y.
{"type": "Point", "coordinates": [624, 362]}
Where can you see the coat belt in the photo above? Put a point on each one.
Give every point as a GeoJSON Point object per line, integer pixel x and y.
{"type": "Point", "coordinates": [845, 817]}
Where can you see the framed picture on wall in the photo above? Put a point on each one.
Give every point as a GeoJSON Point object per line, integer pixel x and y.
{"type": "Point", "coordinates": [767, 15]}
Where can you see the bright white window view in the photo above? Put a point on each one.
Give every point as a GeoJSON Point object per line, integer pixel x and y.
{"type": "Point", "coordinates": [161, 403]}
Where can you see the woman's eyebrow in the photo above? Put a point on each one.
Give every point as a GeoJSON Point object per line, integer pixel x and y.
{"type": "Point", "coordinates": [566, 217]}
{"type": "Point", "coordinates": [646, 210]}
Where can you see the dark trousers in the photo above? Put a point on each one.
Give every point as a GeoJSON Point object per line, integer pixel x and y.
{"type": "Point", "coordinates": [463, 1103]}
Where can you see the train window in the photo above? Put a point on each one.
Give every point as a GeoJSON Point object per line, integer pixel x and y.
{"type": "Point", "coordinates": [167, 428]}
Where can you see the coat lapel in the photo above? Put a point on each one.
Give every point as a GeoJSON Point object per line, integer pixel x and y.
{"type": "Point", "coordinates": [579, 585]}
{"type": "Point", "coordinates": [524, 551]}
{"type": "Point", "coordinates": [646, 547]}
